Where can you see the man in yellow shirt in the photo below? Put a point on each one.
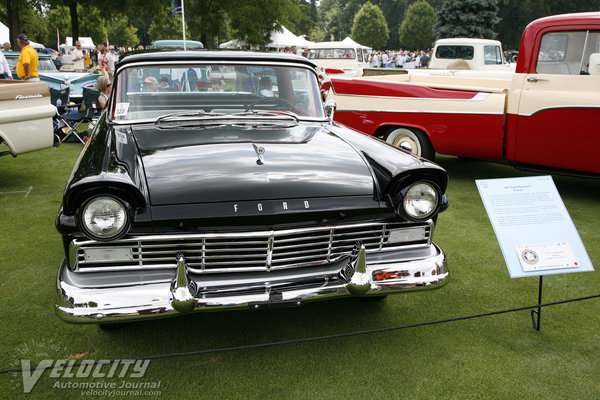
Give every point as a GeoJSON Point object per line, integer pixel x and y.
{"type": "Point", "coordinates": [27, 66]}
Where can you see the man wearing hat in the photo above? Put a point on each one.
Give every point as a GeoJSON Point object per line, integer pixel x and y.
{"type": "Point", "coordinates": [27, 66]}
{"type": "Point", "coordinates": [78, 57]}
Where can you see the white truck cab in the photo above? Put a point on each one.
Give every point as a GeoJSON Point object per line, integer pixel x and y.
{"type": "Point", "coordinates": [467, 53]}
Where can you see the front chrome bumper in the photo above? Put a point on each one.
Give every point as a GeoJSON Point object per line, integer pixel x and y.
{"type": "Point", "coordinates": [100, 298]}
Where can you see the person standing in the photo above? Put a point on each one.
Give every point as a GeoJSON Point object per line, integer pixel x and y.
{"type": "Point", "coordinates": [6, 46]}
{"type": "Point", "coordinates": [78, 57]}
{"type": "Point", "coordinates": [27, 66]}
{"type": "Point", "coordinates": [103, 65]}
{"type": "Point", "coordinates": [111, 61]}
{"type": "Point", "coordinates": [5, 72]}
{"type": "Point", "coordinates": [87, 62]}
{"type": "Point", "coordinates": [424, 59]}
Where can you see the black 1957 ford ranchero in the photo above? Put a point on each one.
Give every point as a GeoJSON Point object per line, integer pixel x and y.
{"type": "Point", "coordinates": [214, 180]}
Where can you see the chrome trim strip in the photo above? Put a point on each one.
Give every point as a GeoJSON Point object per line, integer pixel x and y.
{"type": "Point", "coordinates": [480, 96]}
{"type": "Point", "coordinates": [420, 112]}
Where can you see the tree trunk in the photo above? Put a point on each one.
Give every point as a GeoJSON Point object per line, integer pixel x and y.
{"type": "Point", "coordinates": [74, 21]}
{"type": "Point", "coordinates": [13, 23]}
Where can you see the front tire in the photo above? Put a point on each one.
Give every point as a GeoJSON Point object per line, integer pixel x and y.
{"type": "Point", "coordinates": [413, 141]}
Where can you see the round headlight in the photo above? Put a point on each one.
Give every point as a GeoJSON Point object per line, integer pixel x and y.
{"type": "Point", "coordinates": [421, 200]}
{"type": "Point", "coordinates": [104, 217]}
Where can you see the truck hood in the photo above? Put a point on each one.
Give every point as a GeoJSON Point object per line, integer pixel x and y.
{"type": "Point", "coordinates": [231, 163]}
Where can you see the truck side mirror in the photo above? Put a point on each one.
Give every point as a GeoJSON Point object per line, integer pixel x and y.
{"type": "Point", "coordinates": [330, 107]}
{"type": "Point", "coordinates": [594, 67]}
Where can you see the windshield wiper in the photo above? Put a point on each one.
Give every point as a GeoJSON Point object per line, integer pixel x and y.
{"type": "Point", "coordinates": [271, 115]}
{"type": "Point", "coordinates": [176, 117]}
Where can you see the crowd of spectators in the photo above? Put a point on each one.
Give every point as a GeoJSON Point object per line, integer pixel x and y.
{"type": "Point", "coordinates": [399, 59]}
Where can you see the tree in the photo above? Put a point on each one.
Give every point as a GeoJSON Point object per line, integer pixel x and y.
{"type": "Point", "coordinates": [254, 21]}
{"type": "Point", "coordinates": [467, 18]}
{"type": "Point", "coordinates": [58, 19]}
{"type": "Point", "coordinates": [515, 15]}
{"type": "Point", "coordinates": [370, 27]}
{"type": "Point", "coordinates": [416, 30]}
{"type": "Point", "coordinates": [166, 26]}
{"type": "Point", "coordinates": [394, 12]}
{"type": "Point", "coordinates": [121, 32]}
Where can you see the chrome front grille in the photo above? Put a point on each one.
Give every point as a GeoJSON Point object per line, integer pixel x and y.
{"type": "Point", "coordinates": [247, 251]}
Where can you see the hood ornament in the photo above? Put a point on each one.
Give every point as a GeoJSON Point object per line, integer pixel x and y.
{"type": "Point", "coordinates": [259, 152]}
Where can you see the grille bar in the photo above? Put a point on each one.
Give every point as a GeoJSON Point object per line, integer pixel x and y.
{"type": "Point", "coordinates": [248, 251]}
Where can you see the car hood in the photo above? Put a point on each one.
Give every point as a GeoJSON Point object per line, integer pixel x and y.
{"type": "Point", "coordinates": [229, 163]}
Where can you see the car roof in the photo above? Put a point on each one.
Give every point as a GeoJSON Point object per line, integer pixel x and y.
{"type": "Point", "coordinates": [466, 41]}
{"type": "Point", "coordinates": [13, 53]}
{"type": "Point", "coordinates": [173, 43]}
{"type": "Point", "coordinates": [235, 56]}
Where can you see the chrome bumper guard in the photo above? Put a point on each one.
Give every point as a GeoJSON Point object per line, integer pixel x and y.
{"type": "Point", "coordinates": [95, 298]}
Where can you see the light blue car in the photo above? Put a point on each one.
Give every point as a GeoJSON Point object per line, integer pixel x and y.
{"type": "Point", "coordinates": [54, 78]}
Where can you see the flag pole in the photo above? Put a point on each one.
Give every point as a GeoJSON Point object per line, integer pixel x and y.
{"type": "Point", "coordinates": [183, 23]}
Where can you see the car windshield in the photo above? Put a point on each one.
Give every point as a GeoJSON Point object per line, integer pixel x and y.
{"type": "Point", "coordinates": [44, 63]}
{"type": "Point", "coordinates": [199, 91]}
{"type": "Point", "coordinates": [331, 53]}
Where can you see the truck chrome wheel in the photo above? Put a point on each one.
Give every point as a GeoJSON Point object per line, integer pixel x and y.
{"type": "Point", "coordinates": [413, 142]}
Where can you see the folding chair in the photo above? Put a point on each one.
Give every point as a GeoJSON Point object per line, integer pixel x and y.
{"type": "Point", "coordinates": [60, 99]}
{"type": "Point", "coordinates": [91, 111]}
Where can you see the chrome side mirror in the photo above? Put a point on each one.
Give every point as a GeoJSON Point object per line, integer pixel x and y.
{"type": "Point", "coordinates": [330, 107]}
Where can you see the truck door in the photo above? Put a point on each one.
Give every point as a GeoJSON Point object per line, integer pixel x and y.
{"type": "Point", "coordinates": [559, 110]}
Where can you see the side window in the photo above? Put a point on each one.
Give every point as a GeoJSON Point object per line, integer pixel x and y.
{"type": "Point", "coordinates": [567, 53]}
{"type": "Point", "coordinates": [360, 56]}
{"type": "Point", "coordinates": [492, 55]}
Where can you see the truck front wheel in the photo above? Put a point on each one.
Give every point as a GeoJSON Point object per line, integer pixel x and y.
{"type": "Point", "coordinates": [415, 142]}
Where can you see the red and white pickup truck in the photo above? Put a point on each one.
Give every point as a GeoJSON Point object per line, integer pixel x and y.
{"type": "Point", "coordinates": [547, 117]}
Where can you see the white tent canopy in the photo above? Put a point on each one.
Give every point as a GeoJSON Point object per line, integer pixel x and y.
{"type": "Point", "coordinates": [351, 42]}
{"type": "Point", "coordinates": [5, 37]}
{"type": "Point", "coordinates": [86, 42]}
{"type": "Point", "coordinates": [279, 40]}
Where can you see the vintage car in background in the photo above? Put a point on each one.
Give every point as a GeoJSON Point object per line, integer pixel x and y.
{"type": "Point", "coordinates": [176, 44]}
{"type": "Point", "coordinates": [239, 195]}
{"type": "Point", "coordinates": [544, 118]}
{"type": "Point", "coordinates": [54, 78]}
{"type": "Point", "coordinates": [25, 117]}
{"type": "Point", "coordinates": [346, 57]}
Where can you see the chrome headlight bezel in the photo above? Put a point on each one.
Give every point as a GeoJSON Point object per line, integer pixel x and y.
{"type": "Point", "coordinates": [429, 196]}
{"type": "Point", "coordinates": [113, 207]}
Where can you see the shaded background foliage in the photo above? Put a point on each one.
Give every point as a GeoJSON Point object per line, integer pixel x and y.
{"type": "Point", "coordinates": [133, 22]}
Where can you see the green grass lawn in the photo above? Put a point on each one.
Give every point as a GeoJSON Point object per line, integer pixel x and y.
{"type": "Point", "coordinates": [495, 357]}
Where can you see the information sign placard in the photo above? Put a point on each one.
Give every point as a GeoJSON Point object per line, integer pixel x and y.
{"type": "Point", "coordinates": [533, 227]}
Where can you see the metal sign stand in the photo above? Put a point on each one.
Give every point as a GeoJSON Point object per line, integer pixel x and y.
{"type": "Point", "coordinates": [537, 313]}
